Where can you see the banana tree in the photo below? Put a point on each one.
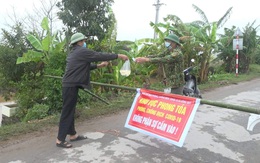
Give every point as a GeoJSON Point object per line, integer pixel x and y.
{"type": "Point", "coordinates": [250, 43]}
{"type": "Point", "coordinates": [42, 48]}
{"type": "Point", "coordinates": [187, 32]}
{"type": "Point", "coordinates": [132, 49]}
{"type": "Point", "coordinates": [208, 44]}
{"type": "Point", "coordinates": [207, 36]}
{"type": "Point", "coordinates": [226, 52]}
{"type": "Point", "coordinates": [45, 53]}
{"type": "Point", "coordinates": [138, 48]}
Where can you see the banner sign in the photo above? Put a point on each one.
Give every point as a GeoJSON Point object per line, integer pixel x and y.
{"type": "Point", "coordinates": [162, 115]}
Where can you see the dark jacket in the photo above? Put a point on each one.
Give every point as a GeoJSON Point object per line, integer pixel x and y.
{"type": "Point", "coordinates": [77, 73]}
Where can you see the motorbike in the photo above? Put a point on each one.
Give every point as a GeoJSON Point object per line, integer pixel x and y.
{"type": "Point", "coordinates": [190, 87]}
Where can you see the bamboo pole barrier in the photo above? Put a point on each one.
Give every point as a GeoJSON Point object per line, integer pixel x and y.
{"type": "Point", "coordinates": [231, 106]}
{"type": "Point", "coordinates": [202, 101]}
{"type": "Point", "coordinates": [86, 90]}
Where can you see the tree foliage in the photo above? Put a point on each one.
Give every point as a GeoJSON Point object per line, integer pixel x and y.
{"type": "Point", "coordinates": [207, 36]}
{"type": "Point", "coordinates": [13, 45]}
{"type": "Point", "coordinates": [226, 52]}
{"type": "Point", "coordinates": [248, 55]}
{"type": "Point", "coordinates": [250, 47]}
{"type": "Point", "coordinates": [47, 52]}
{"type": "Point", "coordinates": [91, 17]}
{"type": "Point", "coordinates": [42, 48]}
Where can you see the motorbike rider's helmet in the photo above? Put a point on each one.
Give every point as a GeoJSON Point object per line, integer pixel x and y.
{"type": "Point", "coordinates": [76, 38]}
{"type": "Point", "coordinates": [173, 37]}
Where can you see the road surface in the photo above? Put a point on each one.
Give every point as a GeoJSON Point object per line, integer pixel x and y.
{"type": "Point", "coordinates": [217, 135]}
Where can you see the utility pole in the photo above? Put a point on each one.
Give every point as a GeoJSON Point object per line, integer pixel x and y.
{"type": "Point", "coordinates": [157, 7]}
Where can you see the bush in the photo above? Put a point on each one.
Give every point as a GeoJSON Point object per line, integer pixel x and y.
{"type": "Point", "coordinates": [39, 111]}
{"type": "Point", "coordinates": [254, 68]}
{"type": "Point", "coordinates": [30, 92]}
{"type": "Point", "coordinates": [53, 86]}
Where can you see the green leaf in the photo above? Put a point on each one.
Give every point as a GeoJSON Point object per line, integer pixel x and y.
{"type": "Point", "coordinates": [60, 46]}
{"type": "Point", "coordinates": [30, 56]}
{"type": "Point", "coordinates": [20, 60]}
{"type": "Point", "coordinates": [213, 35]}
{"type": "Point", "coordinates": [36, 43]}
{"type": "Point", "coordinates": [45, 24]}
{"type": "Point", "coordinates": [46, 43]}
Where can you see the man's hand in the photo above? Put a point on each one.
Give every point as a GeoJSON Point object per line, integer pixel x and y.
{"type": "Point", "coordinates": [102, 64]}
{"type": "Point", "coordinates": [123, 57]}
{"type": "Point", "coordinates": [142, 59]}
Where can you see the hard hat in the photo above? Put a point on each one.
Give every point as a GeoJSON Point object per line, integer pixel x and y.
{"type": "Point", "coordinates": [77, 37]}
{"type": "Point", "coordinates": [173, 37]}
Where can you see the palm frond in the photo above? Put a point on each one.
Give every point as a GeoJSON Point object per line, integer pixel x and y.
{"type": "Point", "coordinates": [157, 29]}
{"type": "Point", "coordinates": [198, 23]}
{"type": "Point", "coordinates": [202, 14]}
{"type": "Point", "coordinates": [224, 18]}
{"type": "Point", "coordinates": [174, 19]}
{"type": "Point", "coordinates": [145, 41]}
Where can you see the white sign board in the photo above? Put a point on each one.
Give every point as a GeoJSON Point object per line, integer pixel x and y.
{"type": "Point", "coordinates": [239, 42]}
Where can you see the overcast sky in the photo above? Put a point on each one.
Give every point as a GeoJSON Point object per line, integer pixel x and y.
{"type": "Point", "coordinates": [133, 16]}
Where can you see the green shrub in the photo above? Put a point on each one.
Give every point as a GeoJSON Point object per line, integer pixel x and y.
{"type": "Point", "coordinates": [254, 68]}
{"type": "Point", "coordinates": [38, 111]}
{"type": "Point", "coordinates": [52, 86]}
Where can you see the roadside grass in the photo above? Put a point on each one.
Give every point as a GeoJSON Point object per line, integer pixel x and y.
{"type": "Point", "coordinates": [219, 80]}
{"type": "Point", "coordinates": [95, 109]}
{"type": "Point", "coordinates": [118, 102]}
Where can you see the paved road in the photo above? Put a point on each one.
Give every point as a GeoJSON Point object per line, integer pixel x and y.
{"type": "Point", "coordinates": [217, 135]}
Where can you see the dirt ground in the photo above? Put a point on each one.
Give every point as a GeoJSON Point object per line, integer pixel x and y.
{"type": "Point", "coordinates": [47, 130]}
{"type": "Point", "coordinates": [2, 99]}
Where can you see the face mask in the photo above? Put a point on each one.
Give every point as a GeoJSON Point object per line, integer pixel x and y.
{"type": "Point", "coordinates": [84, 45]}
{"type": "Point", "coordinates": [167, 45]}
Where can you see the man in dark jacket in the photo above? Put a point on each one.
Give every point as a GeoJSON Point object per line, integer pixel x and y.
{"type": "Point", "coordinates": [77, 75]}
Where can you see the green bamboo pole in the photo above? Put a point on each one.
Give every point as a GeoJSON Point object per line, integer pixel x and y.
{"type": "Point", "coordinates": [86, 90]}
{"type": "Point", "coordinates": [101, 84]}
{"type": "Point", "coordinates": [202, 101]}
{"type": "Point", "coordinates": [96, 96]}
{"type": "Point", "coordinates": [230, 106]}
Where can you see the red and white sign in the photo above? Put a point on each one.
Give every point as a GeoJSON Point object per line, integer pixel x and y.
{"type": "Point", "coordinates": [162, 115]}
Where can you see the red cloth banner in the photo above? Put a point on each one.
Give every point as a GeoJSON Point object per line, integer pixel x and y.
{"type": "Point", "coordinates": [163, 115]}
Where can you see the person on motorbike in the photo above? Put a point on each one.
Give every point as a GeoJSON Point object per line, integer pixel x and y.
{"type": "Point", "coordinates": [171, 61]}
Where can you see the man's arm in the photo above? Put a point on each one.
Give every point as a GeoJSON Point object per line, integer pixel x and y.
{"type": "Point", "coordinates": [102, 64]}
{"type": "Point", "coordinates": [171, 58]}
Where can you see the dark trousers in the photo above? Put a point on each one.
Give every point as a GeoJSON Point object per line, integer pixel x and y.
{"type": "Point", "coordinates": [66, 125]}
